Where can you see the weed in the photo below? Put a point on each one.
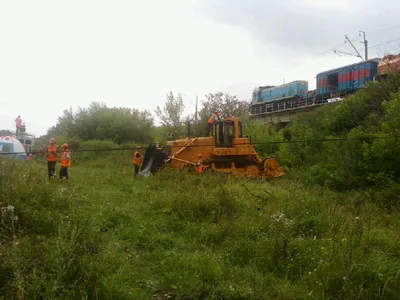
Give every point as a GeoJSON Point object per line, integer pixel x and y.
{"type": "Point", "coordinates": [175, 235]}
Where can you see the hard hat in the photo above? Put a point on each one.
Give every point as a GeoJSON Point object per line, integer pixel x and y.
{"type": "Point", "coordinates": [138, 147]}
{"type": "Point", "coordinates": [52, 141]}
{"type": "Point", "coordinates": [199, 155]}
{"type": "Point", "coordinates": [65, 146]}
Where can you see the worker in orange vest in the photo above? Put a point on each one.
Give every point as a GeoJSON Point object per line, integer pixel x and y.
{"type": "Point", "coordinates": [52, 157]}
{"type": "Point", "coordinates": [137, 160]}
{"type": "Point", "coordinates": [199, 165]}
{"type": "Point", "coordinates": [211, 122]}
{"type": "Point", "coordinates": [65, 162]}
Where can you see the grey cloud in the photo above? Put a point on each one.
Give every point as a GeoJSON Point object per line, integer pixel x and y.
{"type": "Point", "coordinates": [291, 25]}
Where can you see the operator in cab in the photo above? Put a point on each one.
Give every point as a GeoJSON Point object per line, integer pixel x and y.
{"type": "Point", "coordinates": [211, 121]}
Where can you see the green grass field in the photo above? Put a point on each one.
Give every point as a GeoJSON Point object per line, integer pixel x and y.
{"type": "Point", "coordinates": [106, 235]}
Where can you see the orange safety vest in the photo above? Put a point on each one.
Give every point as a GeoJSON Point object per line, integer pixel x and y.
{"type": "Point", "coordinates": [66, 159]}
{"type": "Point", "coordinates": [137, 158]}
{"type": "Point", "coordinates": [199, 166]}
{"type": "Point", "coordinates": [211, 120]}
{"type": "Point", "coordinates": [50, 156]}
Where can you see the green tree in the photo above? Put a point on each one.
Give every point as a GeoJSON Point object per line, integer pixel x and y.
{"type": "Point", "coordinates": [227, 105]}
{"type": "Point", "coordinates": [4, 132]}
{"type": "Point", "coordinates": [171, 114]}
{"type": "Point", "coordinates": [170, 117]}
{"type": "Point", "coordinates": [99, 122]}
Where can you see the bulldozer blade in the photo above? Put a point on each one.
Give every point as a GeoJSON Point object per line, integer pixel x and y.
{"type": "Point", "coordinates": [272, 168]}
{"type": "Point", "coordinates": [146, 169]}
{"type": "Point", "coordinates": [154, 160]}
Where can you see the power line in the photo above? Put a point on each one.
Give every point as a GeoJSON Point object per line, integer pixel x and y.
{"type": "Point", "coordinates": [384, 43]}
{"type": "Point", "coordinates": [355, 49]}
{"type": "Point", "coordinates": [330, 49]}
{"type": "Point", "coordinates": [322, 53]}
{"type": "Point", "coordinates": [387, 29]}
{"type": "Point", "coordinates": [240, 144]}
{"type": "Point", "coordinates": [371, 47]}
{"type": "Point", "coordinates": [332, 58]}
{"type": "Point", "coordinates": [350, 40]}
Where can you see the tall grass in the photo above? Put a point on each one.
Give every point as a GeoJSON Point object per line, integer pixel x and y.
{"type": "Point", "coordinates": [106, 235]}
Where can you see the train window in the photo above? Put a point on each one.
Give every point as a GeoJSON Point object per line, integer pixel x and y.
{"type": "Point", "coordinates": [22, 141]}
{"type": "Point", "coordinates": [218, 133]}
{"type": "Point", "coordinates": [229, 132]}
{"type": "Point", "coordinates": [28, 142]}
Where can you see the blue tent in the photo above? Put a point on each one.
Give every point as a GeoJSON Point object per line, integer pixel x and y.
{"type": "Point", "coordinates": [10, 144]}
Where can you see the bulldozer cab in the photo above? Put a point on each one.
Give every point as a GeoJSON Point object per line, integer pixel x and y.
{"type": "Point", "coordinates": [225, 131]}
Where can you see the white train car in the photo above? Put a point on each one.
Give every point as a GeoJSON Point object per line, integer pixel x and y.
{"type": "Point", "coordinates": [27, 141]}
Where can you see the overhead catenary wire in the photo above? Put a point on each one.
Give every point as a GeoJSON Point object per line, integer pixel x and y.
{"type": "Point", "coordinates": [239, 144]}
{"type": "Point", "coordinates": [387, 29]}
{"type": "Point", "coordinates": [371, 47]}
{"type": "Point", "coordinates": [336, 57]}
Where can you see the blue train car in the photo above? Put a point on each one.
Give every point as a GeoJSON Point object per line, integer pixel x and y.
{"type": "Point", "coordinates": [347, 78]}
{"type": "Point", "coordinates": [288, 90]}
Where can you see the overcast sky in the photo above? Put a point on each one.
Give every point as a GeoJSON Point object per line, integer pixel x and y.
{"type": "Point", "coordinates": [57, 54]}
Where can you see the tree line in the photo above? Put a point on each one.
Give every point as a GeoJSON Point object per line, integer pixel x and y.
{"type": "Point", "coordinates": [129, 125]}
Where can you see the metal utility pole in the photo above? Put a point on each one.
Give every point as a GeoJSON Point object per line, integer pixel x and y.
{"type": "Point", "coordinates": [197, 100]}
{"type": "Point", "coordinates": [365, 44]}
{"type": "Point", "coordinates": [358, 53]}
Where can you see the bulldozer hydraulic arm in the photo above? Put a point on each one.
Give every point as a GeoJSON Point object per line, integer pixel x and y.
{"type": "Point", "coordinates": [183, 148]}
{"type": "Point", "coordinates": [181, 160]}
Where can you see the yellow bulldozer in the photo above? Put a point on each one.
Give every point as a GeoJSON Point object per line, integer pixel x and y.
{"type": "Point", "coordinates": [226, 150]}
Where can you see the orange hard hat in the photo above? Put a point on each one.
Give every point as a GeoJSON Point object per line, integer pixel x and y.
{"type": "Point", "coordinates": [52, 141]}
{"type": "Point", "coordinates": [199, 155]}
{"type": "Point", "coordinates": [65, 146]}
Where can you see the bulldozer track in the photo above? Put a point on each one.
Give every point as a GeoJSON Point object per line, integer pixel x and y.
{"type": "Point", "coordinates": [227, 163]}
